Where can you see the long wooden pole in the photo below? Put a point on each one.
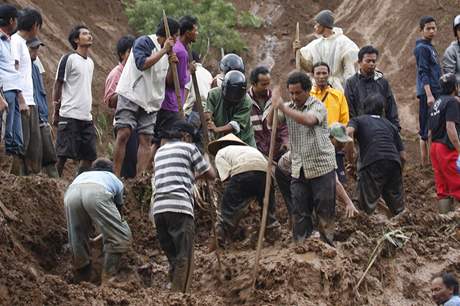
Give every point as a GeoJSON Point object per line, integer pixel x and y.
{"type": "Point", "coordinates": [174, 70]}
{"type": "Point", "coordinates": [297, 52]}
{"type": "Point", "coordinates": [268, 182]}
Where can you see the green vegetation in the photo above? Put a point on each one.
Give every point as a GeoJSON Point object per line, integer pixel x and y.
{"type": "Point", "coordinates": [217, 19]}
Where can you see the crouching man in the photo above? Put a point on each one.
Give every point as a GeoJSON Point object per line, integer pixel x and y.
{"type": "Point", "coordinates": [178, 162]}
{"type": "Point", "coordinates": [381, 158]}
{"type": "Point", "coordinates": [243, 169]}
{"type": "Point", "coordinates": [95, 197]}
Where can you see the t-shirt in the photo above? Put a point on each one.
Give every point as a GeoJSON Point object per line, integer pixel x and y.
{"type": "Point", "coordinates": [107, 179]}
{"type": "Point", "coordinates": [76, 72]}
{"type": "Point", "coordinates": [9, 76]}
{"type": "Point", "coordinates": [235, 159]}
{"type": "Point", "coordinates": [378, 139]}
{"type": "Point", "coordinates": [170, 101]}
{"type": "Point", "coordinates": [453, 301]}
{"type": "Point", "coordinates": [444, 109]}
{"type": "Point", "coordinates": [111, 82]}
{"type": "Point", "coordinates": [176, 164]}
{"type": "Point", "coordinates": [21, 55]}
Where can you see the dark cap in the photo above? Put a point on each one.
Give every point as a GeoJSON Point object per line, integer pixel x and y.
{"type": "Point", "coordinates": [325, 18]}
{"type": "Point", "coordinates": [7, 11]}
{"type": "Point", "coordinates": [34, 43]}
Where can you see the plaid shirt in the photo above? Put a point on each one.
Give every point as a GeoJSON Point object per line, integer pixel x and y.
{"type": "Point", "coordinates": [311, 148]}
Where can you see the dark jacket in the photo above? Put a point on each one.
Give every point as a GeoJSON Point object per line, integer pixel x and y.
{"type": "Point", "coordinates": [39, 94]}
{"type": "Point", "coordinates": [359, 87]}
{"type": "Point", "coordinates": [427, 67]}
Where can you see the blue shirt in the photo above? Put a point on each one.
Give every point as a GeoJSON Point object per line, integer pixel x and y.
{"type": "Point", "coordinates": [104, 178]}
{"type": "Point", "coordinates": [427, 67]}
{"type": "Point", "coordinates": [9, 76]}
{"type": "Point", "coordinates": [40, 94]}
{"type": "Point", "coordinates": [454, 301]}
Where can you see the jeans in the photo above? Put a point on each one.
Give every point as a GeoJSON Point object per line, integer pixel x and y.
{"type": "Point", "coordinates": [14, 144]}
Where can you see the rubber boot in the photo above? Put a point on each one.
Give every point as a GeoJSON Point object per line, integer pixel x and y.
{"type": "Point", "coordinates": [18, 166]}
{"type": "Point", "coordinates": [445, 205]}
{"type": "Point", "coordinates": [83, 274]}
{"type": "Point", "coordinates": [51, 171]}
{"type": "Point", "coordinates": [111, 266]}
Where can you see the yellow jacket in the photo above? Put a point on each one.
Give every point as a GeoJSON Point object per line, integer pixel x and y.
{"type": "Point", "coordinates": [335, 102]}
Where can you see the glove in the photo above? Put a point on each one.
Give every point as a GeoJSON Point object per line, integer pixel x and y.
{"type": "Point", "coordinates": [458, 164]}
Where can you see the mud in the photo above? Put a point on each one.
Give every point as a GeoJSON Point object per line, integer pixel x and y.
{"type": "Point", "coordinates": [36, 262]}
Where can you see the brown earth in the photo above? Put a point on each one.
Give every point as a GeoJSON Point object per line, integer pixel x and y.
{"type": "Point", "coordinates": [35, 261]}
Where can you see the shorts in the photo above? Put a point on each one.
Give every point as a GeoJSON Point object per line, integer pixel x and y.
{"type": "Point", "coordinates": [76, 139]}
{"type": "Point", "coordinates": [130, 115]}
{"type": "Point", "coordinates": [165, 119]}
{"type": "Point", "coordinates": [381, 178]}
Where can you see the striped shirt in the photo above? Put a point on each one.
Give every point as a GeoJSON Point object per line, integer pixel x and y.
{"type": "Point", "coordinates": [311, 149]}
{"type": "Point", "coordinates": [176, 164]}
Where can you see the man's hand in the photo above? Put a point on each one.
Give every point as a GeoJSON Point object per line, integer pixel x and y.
{"type": "Point", "coordinates": [192, 67]}
{"type": "Point", "coordinates": [350, 210]}
{"type": "Point", "coordinates": [212, 126]}
{"type": "Point", "coordinates": [296, 45]}
{"type": "Point", "coordinates": [430, 100]}
{"type": "Point", "coordinates": [169, 44]}
{"type": "Point", "coordinates": [23, 107]}
{"type": "Point", "coordinates": [173, 58]}
{"type": "Point", "coordinates": [284, 148]}
{"type": "Point", "coordinates": [3, 104]}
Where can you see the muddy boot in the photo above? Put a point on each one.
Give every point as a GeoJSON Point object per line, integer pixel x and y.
{"type": "Point", "coordinates": [445, 205]}
{"type": "Point", "coordinates": [111, 267]}
{"type": "Point", "coordinates": [51, 171]}
{"type": "Point", "coordinates": [83, 274]}
{"type": "Point", "coordinates": [18, 166]}
{"type": "Point", "coordinates": [181, 275]}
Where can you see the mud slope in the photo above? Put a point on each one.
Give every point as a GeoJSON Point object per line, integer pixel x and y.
{"type": "Point", "coordinates": [390, 25]}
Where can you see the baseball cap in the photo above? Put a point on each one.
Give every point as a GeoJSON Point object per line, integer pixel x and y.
{"type": "Point", "coordinates": [339, 132]}
{"type": "Point", "coordinates": [34, 43]}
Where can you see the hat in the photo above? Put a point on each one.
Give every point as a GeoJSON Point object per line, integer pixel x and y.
{"type": "Point", "coordinates": [339, 132]}
{"type": "Point", "coordinates": [325, 18]}
{"type": "Point", "coordinates": [227, 140]}
{"type": "Point", "coordinates": [34, 43]}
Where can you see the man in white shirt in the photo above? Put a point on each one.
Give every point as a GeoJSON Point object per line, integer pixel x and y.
{"type": "Point", "coordinates": [29, 23]}
{"type": "Point", "coordinates": [76, 135]}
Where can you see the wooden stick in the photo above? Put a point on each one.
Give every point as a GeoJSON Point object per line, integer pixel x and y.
{"type": "Point", "coordinates": [297, 52]}
{"type": "Point", "coordinates": [268, 182]}
{"type": "Point", "coordinates": [204, 127]}
{"type": "Point", "coordinates": [174, 70]}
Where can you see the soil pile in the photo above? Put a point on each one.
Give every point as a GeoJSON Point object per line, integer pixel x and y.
{"type": "Point", "coordinates": [36, 262]}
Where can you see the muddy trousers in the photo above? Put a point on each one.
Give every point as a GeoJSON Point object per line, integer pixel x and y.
{"type": "Point", "coordinates": [238, 190]}
{"type": "Point", "coordinates": [87, 204]}
{"type": "Point", "coordinates": [176, 233]}
{"type": "Point", "coordinates": [283, 181]}
{"type": "Point", "coordinates": [314, 196]}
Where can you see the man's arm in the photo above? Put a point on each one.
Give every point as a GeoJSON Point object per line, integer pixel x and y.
{"type": "Point", "coordinates": [57, 94]}
{"type": "Point", "coordinates": [449, 62]}
{"type": "Point", "coordinates": [351, 98]}
{"type": "Point", "coordinates": [142, 52]}
{"type": "Point", "coordinates": [344, 112]}
{"type": "Point", "coordinates": [349, 150]}
{"type": "Point", "coordinates": [310, 118]}
{"type": "Point", "coordinates": [452, 134]}
{"type": "Point", "coordinates": [349, 60]}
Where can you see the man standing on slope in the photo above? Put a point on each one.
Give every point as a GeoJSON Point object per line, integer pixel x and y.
{"type": "Point", "coordinates": [332, 47]}
{"type": "Point", "coordinates": [428, 74]}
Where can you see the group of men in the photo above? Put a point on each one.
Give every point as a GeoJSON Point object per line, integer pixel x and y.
{"type": "Point", "coordinates": [330, 107]}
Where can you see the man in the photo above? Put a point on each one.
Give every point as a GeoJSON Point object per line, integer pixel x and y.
{"type": "Point", "coordinates": [428, 74]}
{"type": "Point", "coordinates": [178, 163]}
{"type": "Point", "coordinates": [331, 47]}
{"type": "Point", "coordinates": [228, 109]}
{"type": "Point", "coordinates": [48, 153]}
{"type": "Point", "coordinates": [339, 140]}
{"type": "Point", "coordinates": [381, 158]}
{"type": "Point", "coordinates": [260, 95]}
{"type": "Point", "coordinates": [228, 63]}
{"type": "Point", "coordinates": [204, 80]}
{"type": "Point", "coordinates": [95, 198]}
{"type": "Point", "coordinates": [336, 106]}
{"type": "Point", "coordinates": [169, 112]}
{"type": "Point", "coordinates": [29, 23]}
{"type": "Point", "coordinates": [444, 290]}
{"type": "Point", "coordinates": [141, 90]}
{"type": "Point", "coordinates": [445, 145]}
{"type": "Point", "coordinates": [368, 81]}
{"type": "Point", "coordinates": [243, 170]}
{"type": "Point", "coordinates": [11, 80]}
{"type": "Point", "coordinates": [313, 184]}
{"type": "Point", "coordinates": [76, 135]}
{"type": "Point", "coordinates": [451, 60]}
{"type": "Point", "coordinates": [124, 45]}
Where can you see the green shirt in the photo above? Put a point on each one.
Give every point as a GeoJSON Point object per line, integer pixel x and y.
{"type": "Point", "coordinates": [223, 113]}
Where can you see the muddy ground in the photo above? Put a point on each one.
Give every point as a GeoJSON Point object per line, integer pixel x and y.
{"type": "Point", "coordinates": [36, 262]}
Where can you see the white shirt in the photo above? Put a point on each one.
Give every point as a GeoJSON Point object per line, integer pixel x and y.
{"type": "Point", "coordinates": [204, 79]}
{"type": "Point", "coordinates": [21, 55]}
{"type": "Point", "coordinates": [236, 159]}
{"type": "Point", "coordinates": [77, 74]}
